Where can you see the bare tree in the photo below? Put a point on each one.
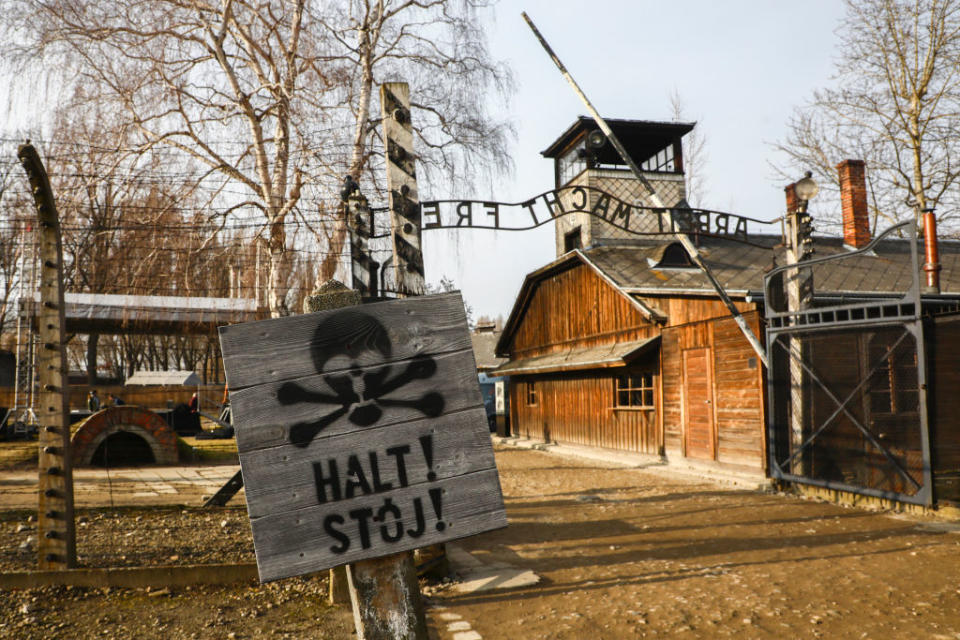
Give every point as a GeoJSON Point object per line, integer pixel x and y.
{"type": "Point", "coordinates": [447, 285]}
{"type": "Point", "coordinates": [263, 93]}
{"type": "Point", "coordinates": [895, 104]}
{"type": "Point", "coordinates": [694, 154]}
{"type": "Point", "coordinates": [12, 207]}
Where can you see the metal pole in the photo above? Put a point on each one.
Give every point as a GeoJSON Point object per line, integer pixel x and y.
{"type": "Point", "coordinates": [652, 194]}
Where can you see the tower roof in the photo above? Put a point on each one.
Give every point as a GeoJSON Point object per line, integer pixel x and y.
{"type": "Point", "coordinates": [642, 138]}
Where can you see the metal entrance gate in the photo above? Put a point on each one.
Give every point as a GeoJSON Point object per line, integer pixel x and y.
{"type": "Point", "coordinates": [847, 390]}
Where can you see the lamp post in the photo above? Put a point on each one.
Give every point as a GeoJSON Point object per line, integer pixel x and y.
{"type": "Point", "coordinates": [801, 243]}
{"type": "Point", "coordinates": [806, 189]}
{"type": "Point", "coordinates": [799, 296]}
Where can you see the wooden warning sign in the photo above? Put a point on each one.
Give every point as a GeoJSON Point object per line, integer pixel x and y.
{"type": "Point", "coordinates": [361, 433]}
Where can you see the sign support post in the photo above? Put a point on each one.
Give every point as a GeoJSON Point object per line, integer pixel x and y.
{"type": "Point", "coordinates": [384, 591]}
{"type": "Point", "coordinates": [402, 185]}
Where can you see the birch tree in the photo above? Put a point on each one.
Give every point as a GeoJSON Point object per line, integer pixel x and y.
{"type": "Point", "coordinates": [274, 97]}
{"type": "Point", "coordinates": [12, 207]}
{"type": "Point", "coordinates": [694, 154]}
{"type": "Point", "coordinates": [895, 104]}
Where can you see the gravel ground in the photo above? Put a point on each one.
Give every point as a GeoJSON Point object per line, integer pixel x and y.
{"type": "Point", "coordinates": [131, 537]}
{"type": "Point", "coordinates": [622, 553]}
{"type": "Point", "coordinates": [292, 609]}
{"type": "Point", "coordinates": [636, 553]}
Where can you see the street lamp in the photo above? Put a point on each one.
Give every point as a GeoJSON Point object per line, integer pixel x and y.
{"type": "Point", "coordinates": [806, 190]}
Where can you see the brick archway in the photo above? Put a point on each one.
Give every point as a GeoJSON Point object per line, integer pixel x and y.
{"type": "Point", "coordinates": [137, 421]}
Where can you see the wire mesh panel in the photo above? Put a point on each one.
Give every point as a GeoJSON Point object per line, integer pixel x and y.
{"type": "Point", "coordinates": [848, 382]}
{"type": "Point", "coordinates": [848, 409]}
{"type": "Point", "coordinates": [942, 338]}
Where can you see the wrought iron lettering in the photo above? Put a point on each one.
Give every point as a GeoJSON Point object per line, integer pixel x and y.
{"type": "Point", "coordinates": [630, 217]}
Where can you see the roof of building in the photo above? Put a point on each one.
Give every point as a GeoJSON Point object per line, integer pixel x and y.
{"type": "Point", "coordinates": [118, 314]}
{"type": "Point", "coordinates": [609, 355]}
{"type": "Point", "coordinates": [642, 137]}
{"type": "Point", "coordinates": [171, 378]}
{"type": "Point", "coordinates": [484, 346]}
{"type": "Point", "coordinates": [740, 267]}
{"type": "Point", "coordinates": [633, 268]}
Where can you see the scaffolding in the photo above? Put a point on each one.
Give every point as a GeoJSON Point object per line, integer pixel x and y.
{"type": "Point", "coordinates": [24, 418]}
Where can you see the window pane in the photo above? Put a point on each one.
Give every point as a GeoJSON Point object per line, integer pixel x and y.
{"type": "Point", "coordinates": [623, 399]}
{"type": "Point", "coordinates": [908, 401]}
{"type": "Point", "coordinates": [880, 402]}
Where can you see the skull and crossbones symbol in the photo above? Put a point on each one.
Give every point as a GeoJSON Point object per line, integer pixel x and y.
{"type": "Point", "coordinates": [360, 395]}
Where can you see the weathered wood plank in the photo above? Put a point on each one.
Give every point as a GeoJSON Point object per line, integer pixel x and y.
{"type": "Point", "coordinates": [285, 346]}
{"type": "Point", "coordinates": [375, 432]}
{"type": "Point", "coordinates": [398, 455]}
{"type": "Point", "coordinates": [331, 534]}
{"type": "Point", "coordinates": [261, 421]}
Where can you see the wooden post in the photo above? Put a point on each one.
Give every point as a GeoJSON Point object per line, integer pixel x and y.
{"type": "Point", "coordinates": [56, 536]}
{"type": "Point", "coordinates": [386, 599]}
{"type": "Point", "coordinates": [339, 592]}
{"type": "Point", "coordinates": [405, 219]}
{"type": "Point", "coordinates": [359, 223]}
{"type": "Point", "coordinates": [797, 282]}
{"type": "Point", "coordinates": [384, 591]}
{"type": "Point", "coordinates": [402, 184]}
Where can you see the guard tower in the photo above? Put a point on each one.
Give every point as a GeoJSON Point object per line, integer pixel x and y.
{"type": "Point", "coordinates": [583, 156]}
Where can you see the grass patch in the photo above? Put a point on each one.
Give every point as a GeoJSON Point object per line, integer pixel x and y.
{"type": "Point", "coordinates": [18, 454]}
{"type": "Point", "coordinates": [212, 451]}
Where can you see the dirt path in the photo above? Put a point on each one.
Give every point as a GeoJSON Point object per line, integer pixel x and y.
{"type": "Point", "coordinates": [623, 553]}
{"type": "Point", "coordinates": [628, 553]}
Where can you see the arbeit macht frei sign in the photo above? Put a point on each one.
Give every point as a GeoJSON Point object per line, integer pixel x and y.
{"type": "Point", "coordinates": [570, 199]}
{"type": "Point", "coordinates": [361, 433]}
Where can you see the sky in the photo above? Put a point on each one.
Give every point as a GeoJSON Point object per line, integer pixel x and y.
{"type": "Point", "coordinates": [740, 67]}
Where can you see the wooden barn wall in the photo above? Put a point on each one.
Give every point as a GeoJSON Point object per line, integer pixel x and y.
{"type": "Point", "coordinates": [738, 395]}
{"type": "Point", "coordinates": [684, 310]}
{"type": "Point", "coordinates": [577, 308]}
{"type": "Point", "coordinates": [578, 409]}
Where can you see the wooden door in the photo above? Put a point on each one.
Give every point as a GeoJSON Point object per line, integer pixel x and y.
{"type": "Point", "coordinates": [698, 425]}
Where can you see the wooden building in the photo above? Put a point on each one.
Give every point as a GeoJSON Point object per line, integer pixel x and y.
{"type": "Point", "coordinates": [623, 343]}
{"type": "Point", "coordinates": [602, 356]}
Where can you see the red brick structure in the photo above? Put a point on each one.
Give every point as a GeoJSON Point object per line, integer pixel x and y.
{"type": "Point", "coordinates": [793, 202]}
{"type": "Point", "coordinates": [122, 427]}
{"type": "Point", "coordinates": [853, 199]}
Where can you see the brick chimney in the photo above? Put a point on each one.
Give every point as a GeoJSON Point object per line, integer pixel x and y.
{"type": "Point", "coordinates": [853, 198]}
{"type": "Point", "coordinates": [790, 191]}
